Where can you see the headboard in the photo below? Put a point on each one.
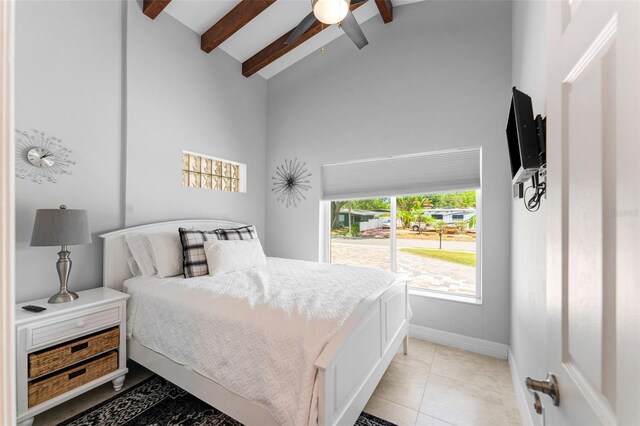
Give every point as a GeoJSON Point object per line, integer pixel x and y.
{"type": "Point", "coordinates": [115, 269]}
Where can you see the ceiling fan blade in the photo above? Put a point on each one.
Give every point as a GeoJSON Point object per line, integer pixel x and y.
{"type": "Point", "coordinates": [357, 1]}
{"type": "Point", "coordinates": [351, 27]}
{"type": "Point", "coordinates": [302, 27]}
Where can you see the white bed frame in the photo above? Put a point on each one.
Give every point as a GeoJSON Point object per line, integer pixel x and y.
{"type": "Point", "coordinates": [349, 368]}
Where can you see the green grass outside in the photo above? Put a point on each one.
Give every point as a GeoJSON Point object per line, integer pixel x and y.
{"type": "Point", "coordinates": [460, 257]}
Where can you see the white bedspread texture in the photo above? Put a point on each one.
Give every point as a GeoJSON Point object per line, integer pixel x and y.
{"type": "Point", "coordinates": [256, 332]}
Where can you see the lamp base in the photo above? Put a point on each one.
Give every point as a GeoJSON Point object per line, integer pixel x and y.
{"type": "Point", "coordinates": [64, 267]}
{"type": "Point", "coordinates": [63, 296]}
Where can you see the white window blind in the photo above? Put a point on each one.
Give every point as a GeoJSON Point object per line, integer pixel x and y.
{"type": "Point", "coordinates": [402, 175]}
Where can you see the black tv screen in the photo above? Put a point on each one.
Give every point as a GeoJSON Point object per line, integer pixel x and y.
{"type": "Point", "coordinates": [522, 138]}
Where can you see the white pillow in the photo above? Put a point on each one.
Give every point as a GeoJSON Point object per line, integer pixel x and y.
{"type": "Point", "coordinates": [133, 266]}
{"type": "Point", "coordinates": [141, 251]}
{"type": "Point", "coordinates": [167, 253]}
{"type": "Point", "coordinates": [224, 256]}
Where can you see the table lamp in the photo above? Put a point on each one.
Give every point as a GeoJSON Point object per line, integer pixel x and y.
{"type": "Point", "coordinates": [61, 227]}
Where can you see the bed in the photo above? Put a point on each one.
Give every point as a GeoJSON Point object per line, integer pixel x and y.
{"type": "Point", "coordinates": [339, 356]}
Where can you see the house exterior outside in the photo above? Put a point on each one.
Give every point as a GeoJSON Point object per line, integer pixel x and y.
{"type": "Point", "coordinates": [451, 215]}
{"type": "Point", "coordinates": [358, 216]}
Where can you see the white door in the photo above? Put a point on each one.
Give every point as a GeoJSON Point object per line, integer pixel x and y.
{"type": "Point", "coordinates": [593, 142]}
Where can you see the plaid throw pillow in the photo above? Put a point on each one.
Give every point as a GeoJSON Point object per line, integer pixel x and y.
{"type": "Point", "coordinates": [194, 261]}
{"type": "Point", "coordinates": [244, 233]}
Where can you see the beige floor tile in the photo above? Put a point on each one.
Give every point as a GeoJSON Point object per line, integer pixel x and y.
{"type": "Point", "coordinates": [420, 355]}
{"type": "Point", "coordinates": [424, 420]}
{"type": "Point", "coordinates": [407, 396]}
{"type": "Point", "coordinates": [511, 406]}
{"type": "Point", "coordinates": [390, 411]}
{"type": "Point", "coordinates": [66, 410]}
{"type": "Point", "coordinates": [481, 370]}
{"type": "Point", "coordinates": [462, 403]}
{"type": "Point", "coordinates": [507, 387]}
{"type": "Point", "coordinates": [402, 372]}
{"type": "Point", "coordinates": [403, 384]}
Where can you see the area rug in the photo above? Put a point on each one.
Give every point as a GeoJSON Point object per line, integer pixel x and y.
{"type": "Point", "coordinates": [158, 402]}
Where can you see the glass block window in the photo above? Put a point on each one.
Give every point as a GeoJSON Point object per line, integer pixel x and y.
{"type": "Point", "coordinates": [206, 172]}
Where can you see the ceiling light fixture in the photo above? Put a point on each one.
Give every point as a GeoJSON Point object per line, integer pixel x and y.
{"type": "Point", "coordinates": [330, 11]}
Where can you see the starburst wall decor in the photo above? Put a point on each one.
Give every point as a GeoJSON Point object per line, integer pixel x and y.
{"type": "Point", "coordinates": [41, 157]}
{"type": "Point", "coordinates": [290, 180]}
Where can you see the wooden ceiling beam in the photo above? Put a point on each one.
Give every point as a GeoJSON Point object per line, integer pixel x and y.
{"type": "Point", "coordinates": [237, 18]}
{"type": "Point", "coordinates": [386, 10]}
{"type": "Point", "coordinates": [278, 48]}
{"type": "Point", "coordinates": [152, 8]}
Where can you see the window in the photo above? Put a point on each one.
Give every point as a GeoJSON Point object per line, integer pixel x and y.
{"type": "Point", "coordinates": [206, 172]}
{"type": "Point", "coordinates": [433, 245]}
{"type": "Point", "coordinates": [429, 238]}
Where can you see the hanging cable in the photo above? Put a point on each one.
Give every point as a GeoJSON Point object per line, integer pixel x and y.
{"type": "Point", "coordinates": [533, 203]}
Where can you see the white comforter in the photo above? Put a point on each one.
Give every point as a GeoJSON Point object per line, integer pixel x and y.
{"type": "Point", "coordinates": [257, 332]}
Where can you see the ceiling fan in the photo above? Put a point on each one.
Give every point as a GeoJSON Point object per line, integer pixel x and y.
{"type": "Point", "coordinates": [331, 12]}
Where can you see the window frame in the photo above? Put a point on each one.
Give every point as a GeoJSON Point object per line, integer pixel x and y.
{"type": "Point", "coordinates": [325, 249]}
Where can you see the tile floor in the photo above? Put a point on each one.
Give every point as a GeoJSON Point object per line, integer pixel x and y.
{"type": "Point", "coordinates": [437, 385]}
{"type": "Point", "coordinates": [432, 386]}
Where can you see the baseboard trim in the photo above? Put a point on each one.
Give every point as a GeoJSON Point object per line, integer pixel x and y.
{"type": "Point", "coordinates": [521, 392]}
{"type": "Point", "coordinates": [484, 347]}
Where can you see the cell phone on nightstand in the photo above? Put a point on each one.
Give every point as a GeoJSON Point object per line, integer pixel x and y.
{"type": "Point", "coordinates": [34, 308]}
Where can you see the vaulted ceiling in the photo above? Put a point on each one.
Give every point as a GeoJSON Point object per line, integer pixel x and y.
{"type": "Point", "coordinates": [254, 31]}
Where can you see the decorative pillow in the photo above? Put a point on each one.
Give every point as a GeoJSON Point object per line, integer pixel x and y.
{"type": "Point", "coordinates": [225, 256]}
{"type": "Point", "coordinates": [243, 233]}
{"type": "Point", "coordinates": [167, 252]}
{"type": "Point", "coordinates": [194, 260]}
{"type": "Point", "coordinates": [141, 251]}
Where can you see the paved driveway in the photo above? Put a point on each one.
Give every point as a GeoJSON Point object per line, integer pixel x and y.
{"type": "Point", "coordinates": [424, 272]}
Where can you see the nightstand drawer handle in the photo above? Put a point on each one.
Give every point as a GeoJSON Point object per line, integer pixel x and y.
{"type": "Point", "coordinates": [79, 347]}
{"type": "Point", "coordinates": [77, 373]}
{"type": "Point", "coordinates": [80, 323]}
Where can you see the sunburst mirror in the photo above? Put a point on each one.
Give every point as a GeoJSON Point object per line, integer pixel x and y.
{"type": "Point", "coordinates": [40, 157]}
{"type": "Point", "coordinates": [289, 182]}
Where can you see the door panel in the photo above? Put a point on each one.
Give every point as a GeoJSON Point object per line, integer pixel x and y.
{"type": "Point", "coordinates": [593, 176]}
{"type": "Point", "coordinates": [583, 338]}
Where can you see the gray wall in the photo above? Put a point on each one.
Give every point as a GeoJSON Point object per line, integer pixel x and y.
{"type": "Point", "coordinates": [179, 97]}
{"type": "Point", "coordinates": [69, 83]}
{"type": "Point", "coordinates": [127, 94]}
{"type": "Point", "coordinates": [437, 77]}
{"type": "Point", "coordinates": [528, 230]}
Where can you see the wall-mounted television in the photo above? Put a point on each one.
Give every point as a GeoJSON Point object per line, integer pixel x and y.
{"type": "Point", "coordinates": [525, 138]}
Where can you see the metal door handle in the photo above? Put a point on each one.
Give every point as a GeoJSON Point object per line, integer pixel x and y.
{"type": "Point", "coordinates": [549, 386]}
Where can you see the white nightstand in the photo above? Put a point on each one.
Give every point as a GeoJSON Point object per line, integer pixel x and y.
{"type": "Point", "coordinates": [69, 349]}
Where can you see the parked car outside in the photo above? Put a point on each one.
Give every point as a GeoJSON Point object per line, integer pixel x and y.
{"type": "Point", "coordinates": [386, 223]}
{"type": "Point", "coordinates": [422, 226]}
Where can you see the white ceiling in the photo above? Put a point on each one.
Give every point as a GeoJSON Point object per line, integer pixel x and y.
{"type": "Point", "coordinates": [276, 20]}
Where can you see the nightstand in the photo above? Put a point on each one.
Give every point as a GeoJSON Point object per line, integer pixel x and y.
{"type": "Point", "coordinates": [69, 349]}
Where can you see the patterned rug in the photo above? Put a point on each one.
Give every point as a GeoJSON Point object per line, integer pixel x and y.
{"type": "Point", "coordinates": [158, 402]}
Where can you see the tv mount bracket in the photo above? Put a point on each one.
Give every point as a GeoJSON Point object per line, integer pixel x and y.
{"type": "Point", "coordinates": [541, 174]}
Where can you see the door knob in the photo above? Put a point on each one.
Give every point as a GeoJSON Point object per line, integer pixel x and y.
{"type": "Point", "coordinates": [549, 386]}
{"type": "Point", "coordinates": [537, 404]}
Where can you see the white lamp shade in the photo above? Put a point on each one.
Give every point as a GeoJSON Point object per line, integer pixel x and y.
{"type": "Point", "coordinates": [330, 11]}
{"type": "Point", "coordinates": [60, 227]}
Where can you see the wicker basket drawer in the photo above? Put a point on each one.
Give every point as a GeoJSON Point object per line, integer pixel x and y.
{"type": "Point", "coordinates": [65, 354]}
{"type": "Point", "coordinates": [41, 390]}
